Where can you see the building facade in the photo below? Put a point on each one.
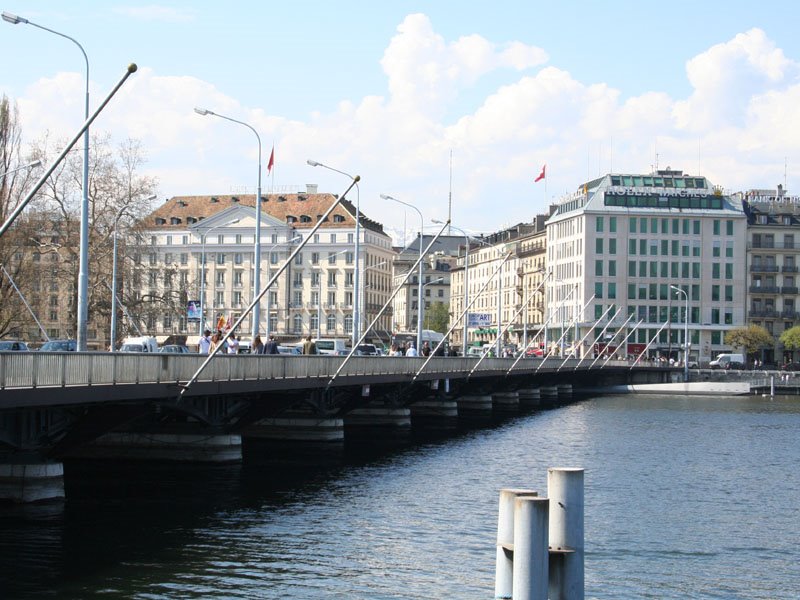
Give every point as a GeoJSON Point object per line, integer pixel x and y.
{"type": "Point", "coordinates": [633, 252]}
{"type": "Point", "coordinates": [201, 249]}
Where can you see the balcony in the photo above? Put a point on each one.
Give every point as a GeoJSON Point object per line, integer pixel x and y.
{"type": "Point", "coordinates": [790, 315]}
{"type": "Point", "coordinates": [295, 305]}
{"type": "Point", "coordinates": [789, 289]}
{"type": "Point", "coordinates": [790, 269]}
{"type": "Point", "coordinates": [772, 245]}
{"type": "Point", "coordinates": [764, 289]}
{"type": "Point", "coordinates": [764, 313]}
{"type": "Point", "coordinates": [759, 268]}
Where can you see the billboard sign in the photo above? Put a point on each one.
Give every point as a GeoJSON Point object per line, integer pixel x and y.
{"type": "Point", "coordinates": [479, 320]}
{"type": "Point", "coordinates": [193, 310]}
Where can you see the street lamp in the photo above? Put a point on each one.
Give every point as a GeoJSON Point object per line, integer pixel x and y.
{"type": "Point", "coordinates": [356, 282]}
{"type": "Point", "coordinates": [685, 332]}
{"type": "Point", "coordinates": [203, 273]}
{"type": "Point", "coordinates": [32, 165]}
{"type": "Point", "coordinates": [419, 285]}
{"type": "Point", "coordinates": [257, 246]}
{"type": "Point", "coordinates": [83, 272]}
{"type": "Point", "coordinates": [466, 284]}
{"type": "Point", "coordinates": [113, 336]}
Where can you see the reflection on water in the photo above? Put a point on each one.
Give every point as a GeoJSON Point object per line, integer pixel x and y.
{"type": "Point", "coordinates": [685, 498]}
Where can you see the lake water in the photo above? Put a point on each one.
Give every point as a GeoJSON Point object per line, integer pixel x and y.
{"type": "Point", "coordinates": [685, 498]}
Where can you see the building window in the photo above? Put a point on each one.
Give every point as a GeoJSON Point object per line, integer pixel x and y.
{"type": "Point", "coordinates": [315, 258]}
{"type": "Point", "coordinates": [598, 289]}
{"type": "Point", "coordinates": [598, 268]}
{"type": "Point", "coordinates": [237, 298]}
{"type": "Point", "coordinates": [612, 290]}
{"type": "Point", "coordinates": [331, 299]}
{"type": "Point", "coordinates": [612, 246]}
{"type": "Point", "coordinates": [332, 258]}
{"type": "Point", "coordinates": [331, 279]}
{"type": "Point", "coordinates": [348, 323]}
{"type": "Point", "coordinates": [598, 224]}
{"type": "Point", "coordinates": [330, 323]}
{"type": "Point", "coordinates": [612, 224]}
{"type": "Point", "coordinates": [238, 258]}
{"type": "Point", "coordinates": [612, 268]}
{"type": "Point", "coordinates": [298, 258]}
{"type": "Point", "coordinates": [297, 299]}
{"type": "Point", "coordinates": [297, 324]}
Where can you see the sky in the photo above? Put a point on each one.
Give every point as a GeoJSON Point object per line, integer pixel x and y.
{"type": "Point", "coordinates": [453, 107]}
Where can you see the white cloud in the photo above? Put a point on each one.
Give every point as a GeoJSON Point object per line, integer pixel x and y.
{"type": "Point", "coordinates": [740, 121]}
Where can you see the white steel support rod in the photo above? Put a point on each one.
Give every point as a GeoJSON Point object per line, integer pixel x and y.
{"type": "Point", "coordinates": [25, 302]}
{"type": "Point", "coordinates": [625, 341]}
{"type": "Point", "coordinates": [383, 308]}
{"type": "Point", "coordinates": [504, 568]}
{"type": "Point", "coordinates": [257, 242]}
{"type": "Point", "coordinates": [650, 343]}
{"type": "Point", "coordinates": [566, 536]}
{"type": "Point", "coordinates": [531, 555]}
{"type": "Point", "coordinates": [588, 332]}
{"type": "Point", "coordinates": [614, 337]}
{"type": "Point", "coordinates": [289, 259]}
{"type": "Point", "coordinates": [566, 330]}
{"type": "Point", "coordinates": [357, 250]}
{"type": "Point", "coordinates": [35, 189]}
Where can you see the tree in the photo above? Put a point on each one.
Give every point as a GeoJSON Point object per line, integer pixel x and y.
{"type": "Point", "coordinates": [437, 317]}
{"type": "Point", "coordinates": [114, 182]}
{"type": "Point", "coordinates": [15, 257]}
{"type": "Point", "coordinates": [751, 338]}
{"type": "Point", "coordinates": [791, 338]}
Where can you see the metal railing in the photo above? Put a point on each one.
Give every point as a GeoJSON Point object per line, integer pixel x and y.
{"type": "Point", "coordinates": [48, 370]}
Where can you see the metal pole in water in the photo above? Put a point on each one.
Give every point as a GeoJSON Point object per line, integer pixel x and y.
{"type": "Point", "coordinates": [504, 571]}
{"type": "Point", "coordinates": [772, 386]}
{"type": "Point", "coordinates": [530, 578]}
{"type": "Point", "coordinates": [565, 490]}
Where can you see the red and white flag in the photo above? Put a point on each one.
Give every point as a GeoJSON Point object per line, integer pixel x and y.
{"type": "Point", "coordinates": [541, 175]}
{"type": "Point", "coordinates": [271, 162]}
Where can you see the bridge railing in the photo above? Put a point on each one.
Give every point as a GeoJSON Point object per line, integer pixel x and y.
{"type": "Point", "coordinates": [66, 369]}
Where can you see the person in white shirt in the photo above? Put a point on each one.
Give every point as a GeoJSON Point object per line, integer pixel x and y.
{"type": "Point", "coordinates": [233, 345]}
{"type": "Point", "coordinates": [411, 350]}
{"type": "Point", "coordinates": [205, 342]}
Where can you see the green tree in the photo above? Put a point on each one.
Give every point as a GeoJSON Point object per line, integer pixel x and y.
{"type": "Point", "coordinates": [751, 338]}
{"type": "Point", "coordinates": [437, 317]}
{"type": "Point", "coordinates": [791, 338]}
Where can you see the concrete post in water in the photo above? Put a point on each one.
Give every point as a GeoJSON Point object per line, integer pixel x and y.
{"type": "Point", "coordinates": [565, 490]}
{"type": "Point", "coordinates": [530, 578]}
{"type": "Point", "coordinates": [504, 571]}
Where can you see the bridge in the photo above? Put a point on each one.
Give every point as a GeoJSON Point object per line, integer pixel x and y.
{"type": "Point", "coordinates": [55, 407]}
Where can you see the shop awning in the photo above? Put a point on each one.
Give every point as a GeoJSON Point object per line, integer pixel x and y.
{"type": "Point", "coordinates": [486, 331]}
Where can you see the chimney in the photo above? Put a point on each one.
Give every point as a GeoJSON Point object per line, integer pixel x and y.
{"type": "Point", "coordinates": [311, 188]}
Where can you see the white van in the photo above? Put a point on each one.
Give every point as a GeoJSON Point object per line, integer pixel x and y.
{"type": "Point", "coordinates": [139, 344]}
{"type": "Point", "coordinates": [727, 361]}
{"type": "Point", "coordinates": [333, 346]}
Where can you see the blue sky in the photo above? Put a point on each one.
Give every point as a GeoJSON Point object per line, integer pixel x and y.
{"type": "Point", "coordinates": [387, 90]}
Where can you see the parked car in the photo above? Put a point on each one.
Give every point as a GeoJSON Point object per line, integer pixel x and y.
{"type": "Point", "coordinates": [59, 346]}
{"type": "Point", "coordinates": [367, 350]}
{"type": "Point", "coordinates": [13, 346]}
{"type": "Point", "coordinates": [290, 349]}
{"type": "Point", "coordinates": [174, 349]}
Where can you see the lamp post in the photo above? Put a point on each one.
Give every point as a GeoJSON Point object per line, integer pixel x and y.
{"type": "Point", "coordinates": [466, 284]}
{"type": "Point", "coordinates": [685, 332]}
{"type": "Point", "coordinates": [31, 165]}
{"type": "Point", "coordinates": [257, 246]}
{"type": "Point", "coordinates": [203, 273]}
{"type": "Point", "coordinates": [357, 250]}
{"type": "Point", "coordinates": [419, 284]}
{"type": "Point", "coordinates": [83, 270]}
{"type": "Point", "coordinates": [113, 335]}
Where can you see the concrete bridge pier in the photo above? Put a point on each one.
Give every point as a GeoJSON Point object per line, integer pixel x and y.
{"type": "Point", "coordinates": [564, 393]}
{"type": "Point", "coordinates": [295, 440]}
{"type": "Point", "coordinates": [548, 396]}
{"type": "Point", "coordinates": [529, 398]}
{"type": "Point", "coordinates": [172, 446]}
{"type": "Point", "coordinates": [505, 404]}
{"type": "Point", "coordinates": [434, 415]}
{"type": "Point", "coordinates": [377, 424]}
{"type": "Point", "coordinates": [474, 409]}
{"type": "Point", "coordinates": [31, 481]}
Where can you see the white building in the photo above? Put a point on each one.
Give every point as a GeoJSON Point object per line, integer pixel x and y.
{"type": "Point", "coordinates": [314, 294]}
{"type": "Point", "coordinates": [621, 242]}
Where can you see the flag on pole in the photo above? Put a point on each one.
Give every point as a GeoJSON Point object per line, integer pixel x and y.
{"type": "Point", "coordinates": [229, 322]}
{"type": "Point", "coordinates": [221, 322]}
{"type": "Point", "coordinates": [271, 160]}
{"type": "Point", "coordinates": [541, 175]}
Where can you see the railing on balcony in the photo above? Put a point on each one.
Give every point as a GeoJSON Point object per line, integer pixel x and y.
{"type": "Point", "coordinates": [791, 315]}
{"type": "Point", "coordinates": [765, 289]}
{"type": "Point", "coordinates": [790, 269]}
{"type": "Point", "coordinates": [789, 289]}
{"type": "Point", "coordinates": [764, 313]}
{"type": "Point", "coordinates": [760, 268]}
{"type": "Point", "coordinates": [771, 245]}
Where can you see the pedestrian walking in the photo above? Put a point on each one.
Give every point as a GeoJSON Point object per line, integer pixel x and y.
{"type": "Point", "coordinates": [233, 344]}
{"type": "Point", "coordinates": [258, 346]}
{"type": "Point", "coordinates": [411, 351]}
{"type": "Point", "coordinates": [271, 347]}
{"type": "Point", "coordinates": [309, 347]}
{"type": "Point", "coordinates": [204, 344]}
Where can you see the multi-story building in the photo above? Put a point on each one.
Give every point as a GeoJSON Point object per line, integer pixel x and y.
{"type": "Point", "coordinates": [314, 294]}
{"type": "Point", "coordinates": [647, 247]}
{"type": "Point", "coordinates": [773, 263]}
{"type": "Point", "coordinates": [436, 282]}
